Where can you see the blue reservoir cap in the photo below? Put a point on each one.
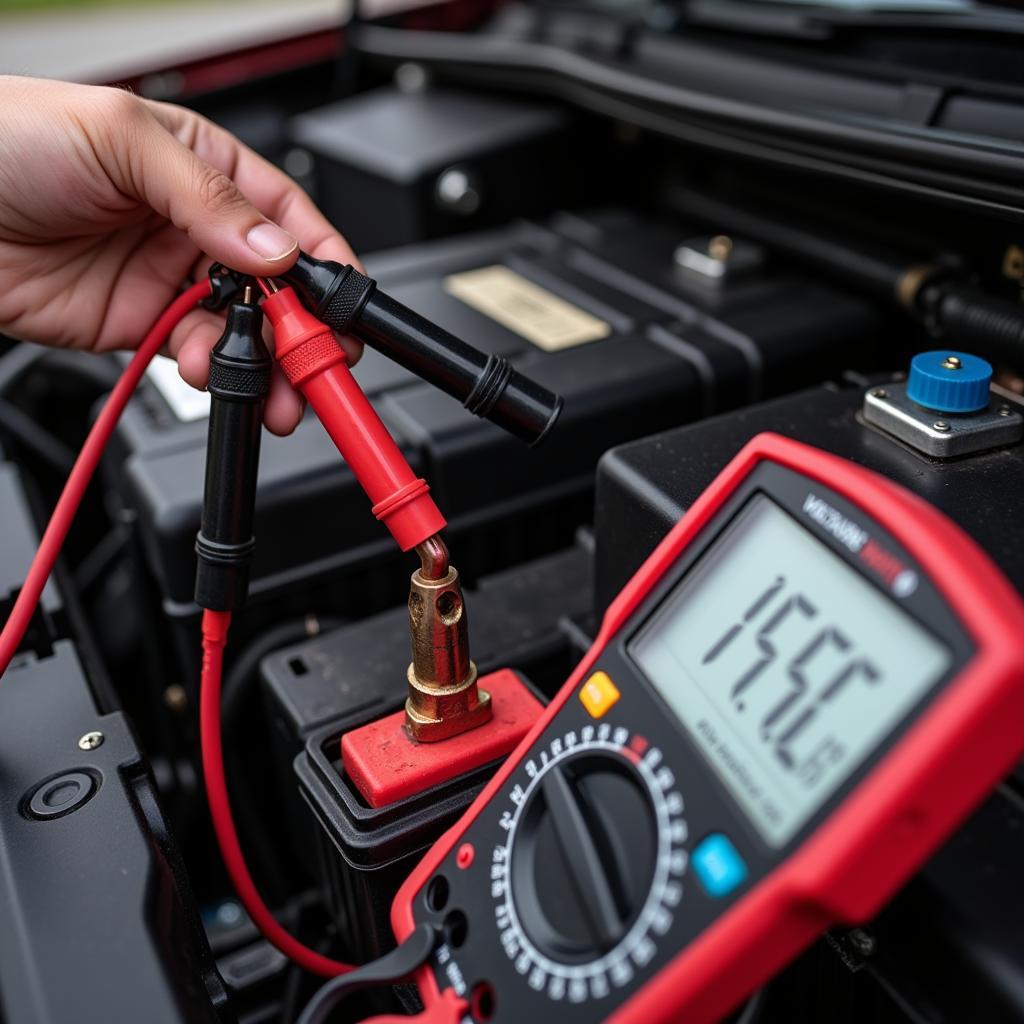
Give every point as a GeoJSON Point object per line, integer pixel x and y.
{"type": "Point", "coordinates": [949, 381]}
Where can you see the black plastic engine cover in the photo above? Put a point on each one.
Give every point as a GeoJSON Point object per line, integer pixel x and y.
{"type": "Point", "coordinates": [97, 921]}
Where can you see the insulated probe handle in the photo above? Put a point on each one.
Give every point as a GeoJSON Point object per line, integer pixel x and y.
{"type": "Point", "coordinates": [487, 385]}
{"type": "Point", "coordinates": [239, 383]}
{"type": "Point", "coordinates": [314, 363]}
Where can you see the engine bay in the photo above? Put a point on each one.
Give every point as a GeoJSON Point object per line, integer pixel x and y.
{"type": "Point", "coordinates": [687, 258]}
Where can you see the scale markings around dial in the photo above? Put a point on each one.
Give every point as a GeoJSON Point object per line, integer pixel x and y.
{"type": "Point", "coordinates": [615, 880]}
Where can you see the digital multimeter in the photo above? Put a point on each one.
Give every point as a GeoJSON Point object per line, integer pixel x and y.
{"type": "Point", "coordinates": [804, 689]}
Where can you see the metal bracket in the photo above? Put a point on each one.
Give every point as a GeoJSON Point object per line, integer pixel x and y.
{"type": "Point", "coordinates": [942, 435]}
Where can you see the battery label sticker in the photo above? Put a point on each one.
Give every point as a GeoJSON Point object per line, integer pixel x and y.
{"type": "Point", "coordinates": [544, 319]}
{"type": "Point", "coordinates": [185, 401]}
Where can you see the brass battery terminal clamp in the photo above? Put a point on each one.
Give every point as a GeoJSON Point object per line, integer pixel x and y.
{"type": "Point", "coordinates": [444, 699]}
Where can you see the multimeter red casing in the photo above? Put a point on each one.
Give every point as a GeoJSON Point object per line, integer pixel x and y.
{"type": "Point", "coordinates": [851, 855]}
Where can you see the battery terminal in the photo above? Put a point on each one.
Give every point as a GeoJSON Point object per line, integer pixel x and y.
{"type": "Point", "coordinates": [444, 698]}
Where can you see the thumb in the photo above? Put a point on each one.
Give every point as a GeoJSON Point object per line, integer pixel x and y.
{"type": "Point", "coordinates": [205, 203]}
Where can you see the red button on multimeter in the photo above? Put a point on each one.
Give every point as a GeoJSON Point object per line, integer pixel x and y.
{"type": "Point", "coordinates": [818, 676]}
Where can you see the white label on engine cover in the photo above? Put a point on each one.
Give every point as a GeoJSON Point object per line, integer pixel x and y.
{"type": "Point", "coordinates": [185, 401]}
{"type": "Point", "coordinates": [541, 317]}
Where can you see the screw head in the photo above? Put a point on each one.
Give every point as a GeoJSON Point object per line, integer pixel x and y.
{"type": "Point", "coordinates": [861, 941]}
{"type": "Point", "coordinates": [411, 77]}
{"type": "Point", "coordinates": [457, 191]}
{"type": "Point", "coordinates": [879, 393]}
{"type": "Point", "coordinates": [952, 363]}
{"type": "Point", "coordinates": [720, 247]}
{"type": "Point", "coordinates": [1005, 410]}
{"type": "Point", "coordinates": [941, 426]}
{"type": "Point", "coordinates": [176, 698]}
{"type": "Point", "coordinates": [91, 740]}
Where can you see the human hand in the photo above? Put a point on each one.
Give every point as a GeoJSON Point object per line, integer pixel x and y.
{"type": "Point", "coordinates": [108, 202]}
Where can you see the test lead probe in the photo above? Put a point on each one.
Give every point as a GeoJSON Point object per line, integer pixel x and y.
{"type": "Point", "coordinates": [239, 383]}
{"type": "Point", "coordinates": [487, 385]}
{"type": "Point", "coordinates": [316, 365]}
{"type": "Point", "coordinates": [444, 699]}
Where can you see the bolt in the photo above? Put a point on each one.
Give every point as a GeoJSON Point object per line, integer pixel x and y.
{"type": "Point", "coordinates": [176, 698]}
{"type": "Point", "coordinates": [952, 363]}
{"type": "Point", "coordinates": [229, 914]}
{"type": "Point", "coordinates": [879, 393]}
{"type": "Point", "coordinates": [941, 426]}
{"type": "Point", "coordinates": [1013, 263]}
{"type": "Point", "coordinates": [457, 192]}
{"type": "Point", "coordinates": [1005, 410]}
{"type": "Point", "coordinates": [411, 77]}
{"type": "Point", "coordinates": [720, 247]}
{"type": "Point", "coordinates": [90, 741]}
{"type": "Point", "coordinates": [863, 943]}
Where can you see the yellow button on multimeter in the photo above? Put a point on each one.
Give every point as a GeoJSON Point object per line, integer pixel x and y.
{"type": "Point", "coordinates": [599, 694]}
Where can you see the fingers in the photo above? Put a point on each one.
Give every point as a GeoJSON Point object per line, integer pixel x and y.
{"type": "Point", "coordinates": [234, 206]}
{"type": "Point", "coordinates": [284, 406]}
{"type": "Point", "coordinates": [190, 343]}
{"type": "Point", "coordinates": [269, 189]}
{"type": "Point", "coordinates": [201, 199]}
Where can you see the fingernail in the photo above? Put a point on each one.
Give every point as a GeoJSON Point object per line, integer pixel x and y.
{"type": "Point", "coordinates": [271, 242]}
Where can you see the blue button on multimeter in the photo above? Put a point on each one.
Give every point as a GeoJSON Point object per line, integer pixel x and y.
{"type": "Point", "coordinates": [718, 865]}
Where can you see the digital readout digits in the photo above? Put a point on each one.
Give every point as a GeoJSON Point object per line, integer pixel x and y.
{"type": "Point", "coordinates": [784, 664]}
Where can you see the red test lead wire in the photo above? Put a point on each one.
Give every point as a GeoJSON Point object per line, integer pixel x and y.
{"type": "Point", "coordinates": [85, 465]}
{"type": "Point", "coordinates": [215, 628]}
{"type": "Point", "coordinates": [215, 632]}
{"type": "Point", "coordinates": [315, 363]}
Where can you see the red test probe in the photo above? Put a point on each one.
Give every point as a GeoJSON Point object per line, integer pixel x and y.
{"type": "Point", "coordinates": [315, 364]}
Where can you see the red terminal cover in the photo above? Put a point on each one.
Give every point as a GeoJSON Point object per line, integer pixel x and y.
{"type": "Point", "coordinates": [385, 765]}
{"type": "Point", "coordinates": [315, 363]}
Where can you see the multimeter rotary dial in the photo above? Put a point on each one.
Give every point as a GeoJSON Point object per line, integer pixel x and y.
{"type": "Point", "coordinates": [592, 866]}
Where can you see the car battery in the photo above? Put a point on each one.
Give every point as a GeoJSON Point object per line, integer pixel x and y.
{"type": "Point", "coordinates": [533, 619]}
{"type": "Point", "coordinates": [951, 939]}
{"type": "Point", "coordinates": [596, 308]}
{"type": "Point", "coordinates": [395, 166]}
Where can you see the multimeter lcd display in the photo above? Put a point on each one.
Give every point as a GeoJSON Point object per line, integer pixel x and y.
{"type": "Point", "coordinates": [785, 665]}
